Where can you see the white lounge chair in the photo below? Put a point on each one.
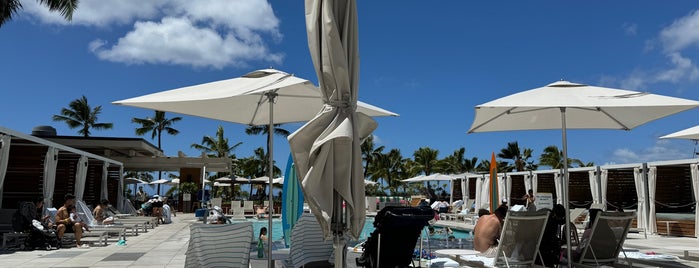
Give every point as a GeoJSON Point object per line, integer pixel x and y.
{"type": "Point", "coordinates": [248, 207]}
{"type": "Point", "coordinates": [219, 245]}
{"type": "Point", "coordinates": [606, 239]}
{"type": "Point", "coordinates": [519, 240]}
{"type": "Point", "coordinates": [307, 244]}
{"type": "Point", "coordinates": [236, 205]}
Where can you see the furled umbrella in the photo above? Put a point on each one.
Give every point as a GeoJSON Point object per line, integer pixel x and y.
{"type": "Point", "coordinates": [564, 105]}
{"type": "Point", "coordinates": [326, 150]}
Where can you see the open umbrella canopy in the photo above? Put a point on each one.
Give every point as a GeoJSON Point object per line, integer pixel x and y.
{"type": "Point", "coordinates": [160, 181]}
{"type": "Point", "coordinates": [222, 184]}
{"type": "Point", "coordinates": [224, 179]}
{"type": "Point", "coordinates": [247, 95]}
{"type": "Point", "coordinates": [263, 97]}
{"type": "Point", "coordinates": [134, 180]}
{"type": "Point", "coordinates": [691, 133]}
{"type": "Point", "coordinates": [432, 177]}
{"type": "Point", "coordinates": [586, 107]}
{"type": "Point", "coordinates": [565, 105]}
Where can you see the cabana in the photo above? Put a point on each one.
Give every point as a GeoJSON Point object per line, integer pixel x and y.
{"type": "Point", "coordinates": [673, 187]}
{"type": "Point", "coordinates": [31, 165]}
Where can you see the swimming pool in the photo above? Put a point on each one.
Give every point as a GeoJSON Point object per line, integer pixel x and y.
{"type": "Point", "coordinates": [277, 232]}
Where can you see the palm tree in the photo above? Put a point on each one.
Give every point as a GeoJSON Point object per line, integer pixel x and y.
{"type": "Point", "coordinates": [264, 129]}
{"type": "Point", "coordinates": [426, 159]}
{"type": "Point", "coordinates": [520, 158]}
{"type": "Point", "coordinates": [80, 114]}
{"type": "Point", "coordinates": [369, 153]}
{"type": "Point", "coordinates": [8, 8]}
{"type": "Point", "coordinates": [256, 165]}
{"type": "Point", "coordinates": [156, 125]}
{"type": "Point", "coordinates": [216, 146]}
{"type": "Point", "coordinates": [388, 168]}
{"type": "Point", "coordinates": [553, 157]}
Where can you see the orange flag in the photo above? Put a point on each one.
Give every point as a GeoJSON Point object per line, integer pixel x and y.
{"type": "Point", "coordinates": [494, 199]}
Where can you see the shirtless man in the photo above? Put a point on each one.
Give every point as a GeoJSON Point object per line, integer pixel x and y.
{"type": "Point", "coordinates": [65, 224]}
{"type": "Point", "coordinates": [487, 231]}
{"type": "Point", "coordinates": [101, 215]}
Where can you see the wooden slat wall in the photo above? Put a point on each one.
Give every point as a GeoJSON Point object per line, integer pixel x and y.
{"type": "Point", "coordinates": [24, 179]}
{"type": "Point", "coordinates": [621, 189]}
{"type": "Point", "coordinates": [545, 184]}
{"type": "Point", "coordinates": [518, 190]}
{"type": "Point", "coordinates": [580, 195]}
{"type": "Point", "coordinates": [674, 188]}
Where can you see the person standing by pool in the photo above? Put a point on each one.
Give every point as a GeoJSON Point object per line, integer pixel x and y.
{"type": "Point", "coordinates": [486, 233]}
{"type": "Point", "coordinates": [141, 197]}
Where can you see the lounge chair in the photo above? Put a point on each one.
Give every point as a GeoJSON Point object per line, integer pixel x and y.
{"type": "Point", "coordinates": [248, 207]}
{"type": "Point", "coordinates": [606, 239]}
{"type": "Point", "coordinates": [219, 245]}
{"type": "Point", "coordinates": [236, 205]}
{"type": "Point", "coordinates": [307, 244]}
{"type": "Point", "coordinates": [519, 240]}
{"type": "Point", "coordinates": [217, 201]}
{"type": "Point", "coordinates": [119, 228]}
{"type": "Point", "coordinates": [393, 241]}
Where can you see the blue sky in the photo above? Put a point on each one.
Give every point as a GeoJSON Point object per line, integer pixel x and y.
{"type": "Point", "coordinates": [431, 62]}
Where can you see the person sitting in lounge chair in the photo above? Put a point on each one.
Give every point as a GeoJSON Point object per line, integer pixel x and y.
{"type": "Point", "coordinates": [101, 215]}
{"type": "Point", "coordinates": [261, 212]}
{"type": "Point", "coordinates": [486, 233]}
{"type": "Point", "coordinates": [550, 246]}
{"type": "Point", "coordinates": [64, 224]}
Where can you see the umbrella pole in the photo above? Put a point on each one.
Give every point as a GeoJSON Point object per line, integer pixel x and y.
{"type": "Point", "coordinates": [565, 183]}
{"type": "Point", "coordinates": [338, 231]}
{"type": "Point", "coordinates": [270, 172]}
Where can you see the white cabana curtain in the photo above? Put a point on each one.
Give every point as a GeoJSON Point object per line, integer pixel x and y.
{"type": "Point", "coordinates": [603, 178]}
{"type": "Point", "coordinates": [535, 182]}
{"type": "Point", "coordinates": [479, 193]}
{"type": "Point", "coordinates": [652, 178]}
{"type": "Point", "coordinates": [640, 194]}
{"type": "Point", "coordinates": [120, 190]}
{"type": "Point", "coordinates": [104, 190]}
{"type": "Point", "coordinates": [502, 187]}
{"type": "Point", "coordinates": [527, 183]}
{"type": "Point", "coordinates": [594, 186]}
{"type": "Point", "coordinates": [80, 177]}
{"type": "Point", "coordinates": [5, 141]}
{"type": "Point", "coordinates": [695, 186]}
{"type": "Point", "coordinates": [558, 183]}
{"type": "Point", "coordinates": [464, 190]}
{"type": "Point", "coordinates": [507, 193]}
{"type": "Point", "coordinates": [50, 164]}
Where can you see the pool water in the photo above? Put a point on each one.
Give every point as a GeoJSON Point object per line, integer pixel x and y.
{"type": "Point", "coordinates": [277, 232]}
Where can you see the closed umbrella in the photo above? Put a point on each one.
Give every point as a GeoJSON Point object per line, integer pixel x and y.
{"type": "Point", "coordinates": [326, 150]}
{"type": "Point", "coordinates": [565, 105]}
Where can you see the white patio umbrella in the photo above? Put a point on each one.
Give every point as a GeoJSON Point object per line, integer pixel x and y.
{"type": "Point", "coordinates": [160, 181]}
{"type": "Point", "coordinates": [326, 150]}
{"type": "Point", "coordinates": [565, 105]}
{"type": "Point", "coordinates": [243, 100]}
{"type": "Point", "coordinates": [436, 177]}
{"type": "Point", "coordinates": [221, 184]}
{"type": "Point", "coordinates": [691, 133]}
{"type": "Point", "coordinates": [224, 179]}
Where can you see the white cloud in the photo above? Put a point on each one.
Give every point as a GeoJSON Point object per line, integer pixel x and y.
{"type": "Point", "coordinates": [682, 33]}
{"type": "Point", "coordinates": [377, 139]}
{"type": "Point", "coordinates": [630, 28]}
{"type": "Point", "coordinates": [202, 33]}
{"type": "Point", "coordinates": [661, 150]}
{"type": "Point", "coordinates": [179, 41]}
